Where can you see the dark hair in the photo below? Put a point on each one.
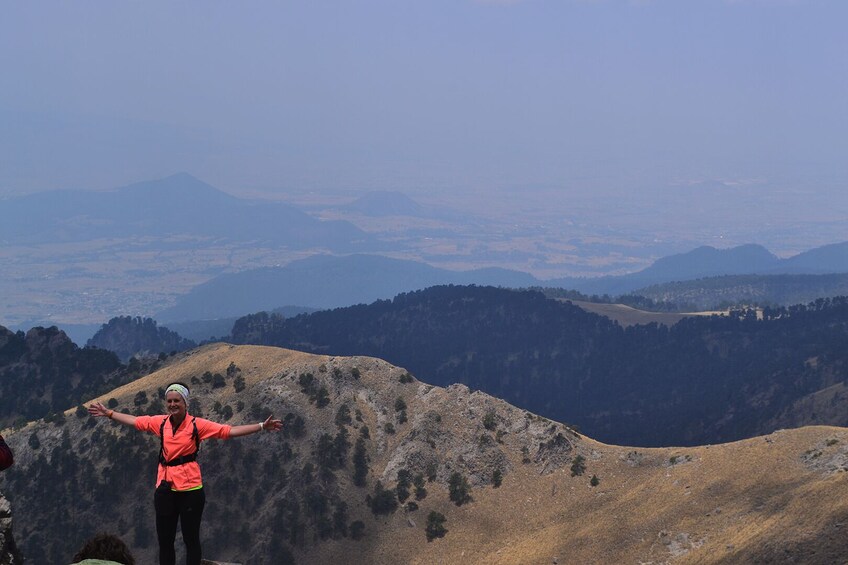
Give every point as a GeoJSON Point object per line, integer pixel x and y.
{"type": "Point", "coordinates": [105, 546]}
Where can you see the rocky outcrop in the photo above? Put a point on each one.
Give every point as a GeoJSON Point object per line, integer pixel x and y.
{"type": "Point", "coordinates": [129, 337]}
{"type": "Point", "coordinates": [9, 554]}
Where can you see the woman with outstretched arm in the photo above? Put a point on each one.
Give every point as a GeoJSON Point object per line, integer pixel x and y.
{"type": "Point", "coordinates": [179, 495]}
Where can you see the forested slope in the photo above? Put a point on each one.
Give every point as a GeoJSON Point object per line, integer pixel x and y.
{"type": "Point", "coordinates": [703, 380]}
{"type": "Point", "coordinates": [43, 372]}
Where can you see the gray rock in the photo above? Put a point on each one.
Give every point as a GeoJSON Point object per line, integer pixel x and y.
{"type": "Point", "coordinates": [9, 554]}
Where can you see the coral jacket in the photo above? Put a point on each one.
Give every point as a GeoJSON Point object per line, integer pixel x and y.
{"type": "Point", "coordinates": [180, 442]}
{"type": "Point", "coordinates": [6, 458]}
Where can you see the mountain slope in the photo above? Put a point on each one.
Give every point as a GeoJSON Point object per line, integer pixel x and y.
{"type": "Point", "coordinates": [768, 499]}
{"type": "Point", "coordinates": [826, 259]}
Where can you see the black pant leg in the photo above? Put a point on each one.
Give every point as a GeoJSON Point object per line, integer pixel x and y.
{"type": "Point", "coordinates": [191, 504]}
{"type": "Point", "coordinates": [166, 533]}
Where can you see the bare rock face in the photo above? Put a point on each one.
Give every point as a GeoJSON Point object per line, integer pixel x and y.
{"type": "Point", "coordinates": [8, 550]}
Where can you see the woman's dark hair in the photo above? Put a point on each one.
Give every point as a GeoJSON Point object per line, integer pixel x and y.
{"type": "Point", "coordinates": [105, 546]}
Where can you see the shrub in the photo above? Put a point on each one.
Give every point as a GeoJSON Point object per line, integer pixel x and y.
{"type": "Point", "coordinates": [595, 481]}
{"type": "Point", "coordinates": [400, 405]}
{"type": "Point", "coordinates": [308, 472]}
{"type": "Point", "coordinates": [432, 470]}
{"type": "Point", "coordinates": [402, 492]}
{"type": "Point", "coordinates": [578, 466]}
{"type": "Point", "coordinates": [343, 416]}
{"type": "Point", "coordinates": [322, 398]}
{"type": "Point", "coordinates": [238, 384]}
{"type": "Point", "coordinates": [404, 478]}
{"type": "Point", "coordinates": [383, 501]}
{"type": "Point", "coordinates": [459, 489]}
{"type": "Point", "coordinates": [340, 527]}
{"type": "Point", "coordinates": [435, 526]}
{"type": "Point", "coordinates": [306, 382]}
{"type": "Point", "coordinates": [360, 463]}
{"type": "Point", "coordinates": [389, 428]}
{"type": "Point", "coordinates": [497, 478]}
{"type": "Point", "coordinates": [405, 378]}
{"type": "Point", "coordinates": [357, 530]}
{"type": "Point", "coordinates": [420, 491]}
{"type": "Point", "coordinates": [298, 427]}
{"type": "Point", "coordinates": [489, 421]}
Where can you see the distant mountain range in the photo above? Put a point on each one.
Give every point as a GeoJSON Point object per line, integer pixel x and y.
{"type": "Point", "coordinates": [711, 262]}
{"type": "Point", "coordinates": [330, 282]}
{"type": "Point", "coordinates": [324, 281]}
{"type": "Point", "coordinates": [177, 205]}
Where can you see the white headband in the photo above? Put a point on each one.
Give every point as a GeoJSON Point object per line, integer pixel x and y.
{"type": "Point", "coordinates": [183, 391]}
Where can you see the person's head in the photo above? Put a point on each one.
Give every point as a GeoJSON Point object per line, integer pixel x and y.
{"type": "Point", "coordinates": [107, 547]}
{"type": "Point", "coordinates": [176, 399]}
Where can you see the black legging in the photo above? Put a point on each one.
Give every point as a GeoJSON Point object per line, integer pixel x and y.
{"type": "Point", "coordinates": [189, 511]}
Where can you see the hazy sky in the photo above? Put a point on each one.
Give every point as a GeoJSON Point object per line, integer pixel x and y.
{"type": "Point", "coordinates": [423, 95]}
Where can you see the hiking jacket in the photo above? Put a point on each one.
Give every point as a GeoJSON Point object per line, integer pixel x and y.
{"type": "Point", "coordinates": [181, 442]}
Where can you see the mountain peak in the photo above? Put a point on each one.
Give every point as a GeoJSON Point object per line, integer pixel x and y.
{"type": "Point", "coordinates": [706, 261]}
{"type": "Point", "coordinates": [180, 185]}
{"type": "Point", "coordinates": [386, 203]}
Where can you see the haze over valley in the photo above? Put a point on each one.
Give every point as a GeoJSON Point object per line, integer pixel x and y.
{"type": "Point", "coordinates": [82, 257]}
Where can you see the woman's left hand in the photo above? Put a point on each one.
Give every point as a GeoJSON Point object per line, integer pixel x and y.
{"type": "Point", "coordinates": [272, 425]}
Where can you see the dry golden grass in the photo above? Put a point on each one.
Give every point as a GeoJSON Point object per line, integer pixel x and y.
{"type": "Point", "coordinates": [728, 504]}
